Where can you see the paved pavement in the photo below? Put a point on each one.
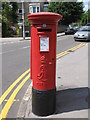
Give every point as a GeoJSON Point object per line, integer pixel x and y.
{"type": "Point", "coordinates": [18, 39]}
{"type": "Point", "coordinates": [72, 88]}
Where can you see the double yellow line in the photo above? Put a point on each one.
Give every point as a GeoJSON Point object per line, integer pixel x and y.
{"type": "Point", "coordinates": [23, 80]}
{"type": "Point", "coordinates": [70, 50]}
{"type": "Point", "coordinates": [12, 97]}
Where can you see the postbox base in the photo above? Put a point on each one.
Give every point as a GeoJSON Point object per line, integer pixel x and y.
{"type": "Point", "coordinates": [43, 102]}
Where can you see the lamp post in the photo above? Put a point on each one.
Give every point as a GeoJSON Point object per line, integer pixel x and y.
{"type": "Point", "coordinates": [23, 20]}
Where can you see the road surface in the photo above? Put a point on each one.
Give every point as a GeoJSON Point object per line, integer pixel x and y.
{"type": "Point", "coordinates": [15, 61]}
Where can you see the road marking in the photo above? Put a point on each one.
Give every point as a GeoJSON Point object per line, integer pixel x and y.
{"type": "Point", "coordinates": [12, 42]}
{"type": "Point", "coordinates": [4, 43]}
{"type": "Point", "coordinates": [15, 50]}
{"type": "Point", "coordinates": [12, 86]}
{"type": "Point", "coordinates": [61, 54]}
{"type": "Point", "coordinates": [71, 49]}
{"type": "Point", "coordinates": [78, 46]}
{"type": "Point", "coordinates": [65, 37]}
{"type": "Point", "coordinates": [15, 100]}
{"type": "Point", "coordinates": [26, 47]}
{"type": "Point", "coordinates": [12, 97]}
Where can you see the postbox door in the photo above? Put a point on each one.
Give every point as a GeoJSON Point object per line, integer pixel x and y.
{"type": "Point", "coordinates": [47, 48]}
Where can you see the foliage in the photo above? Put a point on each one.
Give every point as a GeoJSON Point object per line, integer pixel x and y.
{"type": "Point", "coordinates": [4, 26]}
{"type": "Point", "coordinates": [84, 19]}
{"type": "Point", "coordinates": [17, 29]}
{"type": "Point", "coordinates": [89, 16]}
{"type": "Point", "coordinates": [9, 17]}
{"type": "Point", "coordinates": [27, 23]}
{"type": "Point", "coordinates": [75, 24]}
{"type": "Point", "coordinates": [70, 11]}
{"type": "Point", "coordinates": [14, 13]}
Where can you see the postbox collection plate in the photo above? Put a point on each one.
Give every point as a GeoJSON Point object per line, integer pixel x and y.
{"type": "Point", "coordinates": [44, 44]}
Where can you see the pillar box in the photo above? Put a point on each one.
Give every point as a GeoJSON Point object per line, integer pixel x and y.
{"type": "Point", "coordinates": [43, 61]}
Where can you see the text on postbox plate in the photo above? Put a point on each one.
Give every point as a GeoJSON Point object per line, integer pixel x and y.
{"type": "Point", "coordinates": [44, 44]}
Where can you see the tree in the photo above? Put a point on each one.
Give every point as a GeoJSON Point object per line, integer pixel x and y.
{"type": "Point", "coordinates": [70, 11]}
{"type": "Point", "coordinates": [6, 18]}
{"type": "Point", "coordinates": [14, 13]}
{"type": "Point", "coordinates": [9, 17]}
{"type": "Point", "coordinates": [84, 19]}
{"type": "Point", "coordinates": [89, 16]}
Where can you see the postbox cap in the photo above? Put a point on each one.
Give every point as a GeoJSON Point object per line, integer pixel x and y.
{"type": "Point", "coordinates": [44, 17]}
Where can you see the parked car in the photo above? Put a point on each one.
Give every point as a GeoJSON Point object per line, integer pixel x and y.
{"type": "Point", "coordinates": [71, 30]}
{"type": "Point", "coordinates": [82, 34]}
{"type": "Point", "coordinates": [88, 24]}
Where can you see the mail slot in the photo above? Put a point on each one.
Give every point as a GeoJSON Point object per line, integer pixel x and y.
{"type": "Point", "coordinates": [44, 30]}
{"type": "Point", "coordinates": [43, 61]}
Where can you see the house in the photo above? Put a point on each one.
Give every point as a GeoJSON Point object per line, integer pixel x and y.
{"type": "Point", "coordinates": [32, 7]}
{"type": "Point", "coordinates": [29, 8]}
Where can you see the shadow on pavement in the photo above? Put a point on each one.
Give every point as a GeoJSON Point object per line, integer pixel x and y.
{"type": "Point", "coordinates": [72, 99]}
{"type": "Point", "coordinates": [83, 41]}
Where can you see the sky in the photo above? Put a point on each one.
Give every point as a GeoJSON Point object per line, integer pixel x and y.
{"type": "Point", "coordinates": [86, 4]}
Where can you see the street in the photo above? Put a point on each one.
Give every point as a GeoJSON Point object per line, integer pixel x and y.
{"type": "Point", "coordinates": [16, 60]}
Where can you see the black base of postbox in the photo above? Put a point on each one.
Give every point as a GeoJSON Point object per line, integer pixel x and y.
{"type": "Point", "coordinates": [43, 102]}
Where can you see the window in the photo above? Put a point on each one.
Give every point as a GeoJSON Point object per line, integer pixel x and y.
{"type": "Point", "coordinates": [34, 9]}
{"type": "Point", "coordinates": [38, 9]}
{"type": "Point", "coordinates": [20, 11]}
{"type": "Point", "coordinates": [45, 9]}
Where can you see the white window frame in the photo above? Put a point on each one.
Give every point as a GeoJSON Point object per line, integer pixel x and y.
{"type": "Point", "coordinates": [37, 7]}
{"type": "Point", "coordinates": [31, 8]}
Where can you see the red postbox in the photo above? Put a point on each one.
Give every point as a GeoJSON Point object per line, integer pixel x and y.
{"type": "Point", "coordinates": [43, 61]}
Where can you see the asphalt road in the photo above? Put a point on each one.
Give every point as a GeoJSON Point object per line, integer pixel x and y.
{"type": "Point", "coordinates": [16, 60]}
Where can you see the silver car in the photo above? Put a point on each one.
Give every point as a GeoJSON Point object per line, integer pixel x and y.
{"type": "Point", "coordinates": [82, 34]}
